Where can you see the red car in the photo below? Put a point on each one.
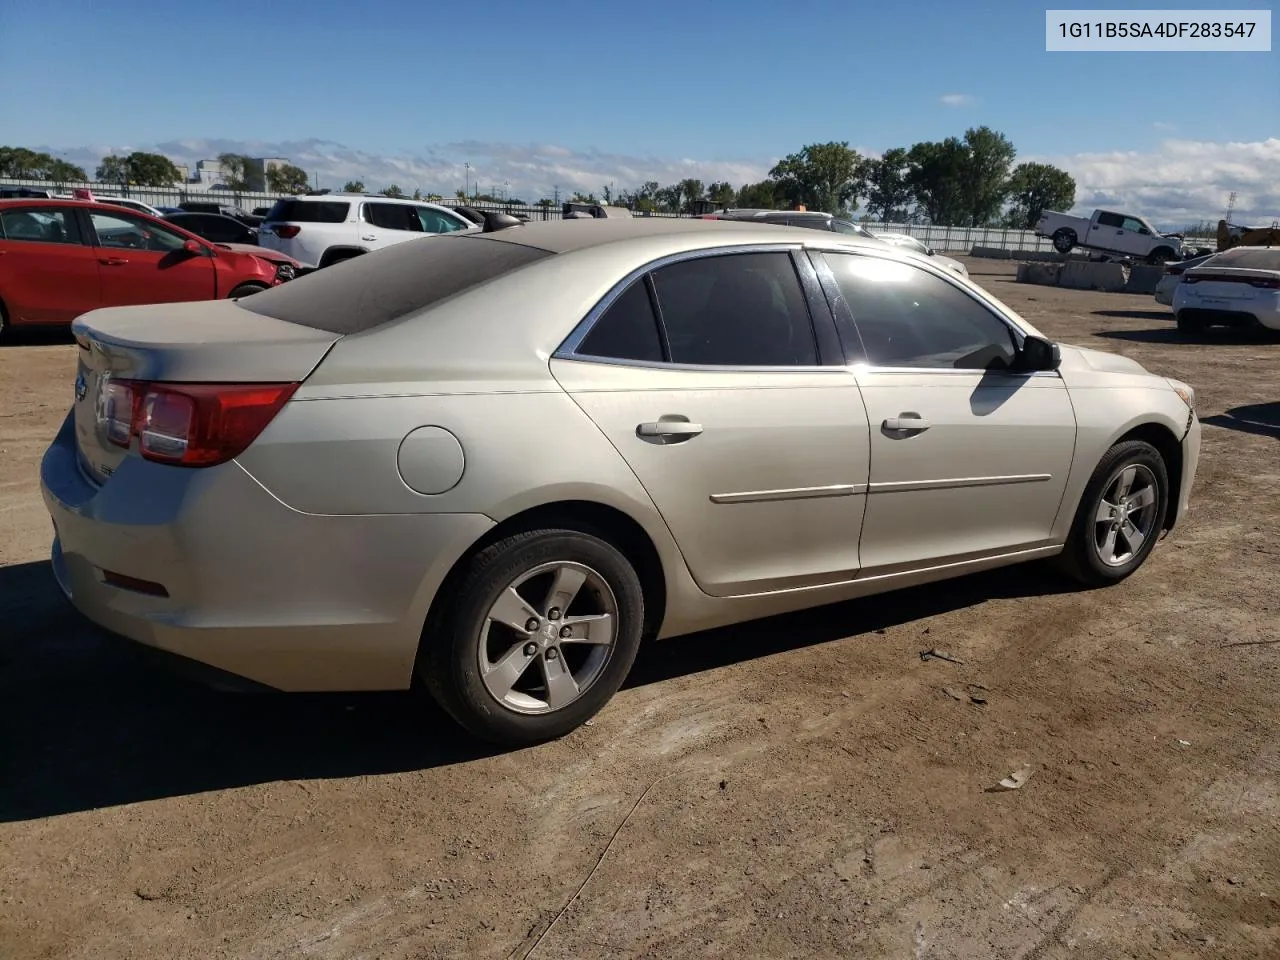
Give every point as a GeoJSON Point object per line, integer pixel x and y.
{"type": "Point", "coordinates": [62, 258]}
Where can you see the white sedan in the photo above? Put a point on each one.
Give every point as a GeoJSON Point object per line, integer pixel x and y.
{"type": "Point", "coordinates": [908, 242]}
{"type": "Point", "coordinates": [1236, 288]}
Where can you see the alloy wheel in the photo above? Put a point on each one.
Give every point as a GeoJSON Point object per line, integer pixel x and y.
{"type": "Point", "coordinates": [1126, 515]}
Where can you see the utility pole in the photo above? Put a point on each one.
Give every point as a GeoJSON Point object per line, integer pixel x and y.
{"type": "Point", "coordinates": [1231, 205]}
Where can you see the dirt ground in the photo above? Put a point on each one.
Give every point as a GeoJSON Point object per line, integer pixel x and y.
{"type": "Point", "coordinates": [799, 787]}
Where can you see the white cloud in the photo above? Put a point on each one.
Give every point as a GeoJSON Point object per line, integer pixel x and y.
{"type": "Point", "coordinates": [1182, 182]}
{"type": "Point", "coordinates": [957, 99]}
{"type": "Point", "coordinates": [532, 170]}
{"type": "Point", "coordinates": [1164, 126]}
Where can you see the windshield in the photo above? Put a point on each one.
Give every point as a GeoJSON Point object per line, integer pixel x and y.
{"type": "Point", "coordinates": [844, 226]}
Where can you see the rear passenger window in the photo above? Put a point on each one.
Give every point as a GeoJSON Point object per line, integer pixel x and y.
{"type": "Point", "coordinates": [907, 317]}
{"type": "Point", "coordinates": [392, 216]}
{"type": "Point", "coordinates": [743, 309]}
{"type": "Point", "coordinates": [1111, 220]}
{"type": "Point", "coordinates": [309, 211]}
{"type": "Point", "coordinates": [40, 225]}
{"type": "Point", "coordinates": [628, 330]}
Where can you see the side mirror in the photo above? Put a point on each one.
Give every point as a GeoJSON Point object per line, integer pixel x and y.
{"type": "Point", "coordinates": [930, 251]}
{"type": "Point", "coordinates": [1039, 355]}
{"type": "Point", "coordinates": [192, 246]}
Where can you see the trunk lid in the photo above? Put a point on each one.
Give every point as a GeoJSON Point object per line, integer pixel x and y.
{"type": "Point", "coordinates": [213, 341]}
{"type": "Point", "coordinates": [1230, 283]}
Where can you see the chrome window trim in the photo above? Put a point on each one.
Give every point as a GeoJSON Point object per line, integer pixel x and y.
{"type": "Point", "coordinates": [568, 349]}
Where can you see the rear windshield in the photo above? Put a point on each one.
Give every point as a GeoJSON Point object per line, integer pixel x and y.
{"type": "Point", "coordinates": [1265, 259]}
{"type": "Point", "coordinates": [360, 294]}
{"type": "Point", "coordinates": [306, 211]}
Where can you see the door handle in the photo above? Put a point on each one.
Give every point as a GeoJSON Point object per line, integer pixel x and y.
{"type": "Point", "coordinates": [668, 430]}
{"type": "Point", "coordinates": [368, 236]}
{"type": "Point", "coordinates": [113, 261]}
{"type": "Point", "coordinates": [906, 422]}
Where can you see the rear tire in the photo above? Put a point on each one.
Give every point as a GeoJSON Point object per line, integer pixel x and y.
{"type": "Point", "coordinates": [1160, 256]}
{"type": "Point", "coordinates": [1120, 516]}
{"type": "Point", "coordinates": [245, 289]}
{"type": "Point", "coordinates": [1190, 325]}
{"type": "Point", "coordinates": [507, 636]}
{"type": "Point", "coordinates": [1064, 240]}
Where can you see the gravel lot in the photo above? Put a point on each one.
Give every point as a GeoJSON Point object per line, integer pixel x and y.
{"type": "Point", "coordinates": [799, 787]}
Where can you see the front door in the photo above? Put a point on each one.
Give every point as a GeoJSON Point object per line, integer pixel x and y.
{"type": "Point", "coordinates": [753, 451]}
{"type": "Point", "coordinates": [48, 274]}
{"type": "Point", "coordinates": [968, 458]}
{"type": "Point", "coordinates": [143, 262]}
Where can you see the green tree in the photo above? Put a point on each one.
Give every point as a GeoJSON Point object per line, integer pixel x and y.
{"type": "Point", "coordinates": [822, 176]}
{"type": "Point", "coordinates": [934, 172]}
{"type": "Point", "coordinates": [984, 181]}
{"type": "Point", "coordinates": [668, 198]}
{"type": "Point", "coordinates": [417, 193]}
{"type": "Point", "coordinates": [235, 171]}
{"type": "Point", "coordinates": [690, 190]}
{"type": "Point", "coordinates": [759, 196]}
{"type": "Point", "coordinates": [888, 192]}
{"type": "Point", "coordinates": [60, 171]}
{"type": "Point", "coordinates": [152, 169]}
{"type": "Point", "coordinates": [287, 178]}
{"type": "Point", "coordinates": [113, 169]}
{"type": "Point", "coordinates": [1035, 188]}
{"type": "Point", "coordinates": [357, 186]}
{"type": "Point", "coordinates": [393, 191]}
{"type": "Point", "coordinates": [722, 194]}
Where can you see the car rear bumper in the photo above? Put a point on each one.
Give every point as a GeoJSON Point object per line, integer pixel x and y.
{"type": "Point", "coordinates": [251, 587]}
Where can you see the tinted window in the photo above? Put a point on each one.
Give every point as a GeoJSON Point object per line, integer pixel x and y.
{"type": "Point", "coordinates": [907, 317]}
{"type": "Point", "coordinates": [392, 216]}
{"type": "Point", "coordinates": [213, 227]}
{"type": "Point", "coordinates": [40, 224]}
{"type": "Point", "coordinates": [628, 330]}
{"type": "Point", "coordinates": [379, 287]}
{"type": "Point", "coordinates": [1110, 220]}
{"type": "Point", "coordinates": [739, 310]}
{"type": "Point", "coordinates": [1132, 224]}
{"type": "Point", "coordinates": [433, 221]}
{"type": "Point", "coordinates": [125, 231]}
{"type": "Point", "coordinates": [306, 211]}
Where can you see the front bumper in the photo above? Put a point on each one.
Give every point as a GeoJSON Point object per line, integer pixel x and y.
{"type": "Point", "coordinates": [285, 599]}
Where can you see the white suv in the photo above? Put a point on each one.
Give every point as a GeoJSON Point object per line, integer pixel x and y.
{"type": "Point", "coordinates": [323, 229]}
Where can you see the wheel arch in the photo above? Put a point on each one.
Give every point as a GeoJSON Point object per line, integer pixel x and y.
{"type": "Point", "coordinates": [609, 523]}
{"type": "Point", "coordinates": [338, 253]}
{"type": "Point", "coordinates": [1169, 446]}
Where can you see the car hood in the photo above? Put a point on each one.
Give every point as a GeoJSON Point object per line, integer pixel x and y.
{"type": "Point", "coordinates": [1082, 360]}
{"type": "Point", "coordinates": [262, 253]}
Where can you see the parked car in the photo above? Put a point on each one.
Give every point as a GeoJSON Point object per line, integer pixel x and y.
{"type": "Point", "coordinates": [323, 229]}
{"type": "Point", "coordinates": [84, 193]}
{"type": "Point", "coordinates": [215, 228]}
{"type": "Point", "coordinates": [226, 210]}
{"type": "Point", "coordinates": [1109, 232]}
{"type": "Point", "coordinates": [500, 460]}
{"type": "Point", "coordinates": [261, 211]}
{"type": "Point", "coordinates": [62, 258]}
{"type": "Point", "coordinates": [1173, 276]}
{"type": "Point", "coordinates": [1239, 287]}
{"type": "Point", "coordinates": [908, 242]}
{"type": "Point", "coordinates": [11, 192]}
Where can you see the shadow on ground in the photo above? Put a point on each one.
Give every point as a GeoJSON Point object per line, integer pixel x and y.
{"type": "Point", "coordinates": [1171, 334]}
{"type": "Point", "coordinates": [1261, 419]}
{"type": "Point", "coordinates": [35, 337]}
{"type": "Point", "coordinates": [89, 721]}
{"type": "Point", "coordinates": [1136, 314]}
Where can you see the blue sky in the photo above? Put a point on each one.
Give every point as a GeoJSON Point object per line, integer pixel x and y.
{"type": "Point", "coordinates": [736, 84]}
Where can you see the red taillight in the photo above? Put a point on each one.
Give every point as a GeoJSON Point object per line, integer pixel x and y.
{"type": "Point", "coordinates": [286, 231]}
{"type": "Point", "coordinates": [1265, 283]}
{"type": "Point", "coordinates": [191, 424]}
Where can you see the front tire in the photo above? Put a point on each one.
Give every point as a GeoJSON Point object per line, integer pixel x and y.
{"type": "Point", "coordinates": [541, 633]}
{"type": "Point", "coordinates": [1064, 240]}
{"type": "Point", "coordinates": [246, 289]}
{"type": "Point", "coordinates": [1120, 516]}
{"type": "Point", "coordinates": [1160, 256]}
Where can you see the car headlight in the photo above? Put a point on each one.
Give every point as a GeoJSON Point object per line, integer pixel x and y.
{"type": "Point", "coordinates": [1187, 394]}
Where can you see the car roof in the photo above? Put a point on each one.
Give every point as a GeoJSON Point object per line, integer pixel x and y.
{"type": "Point", "coordinates": [564, 236]}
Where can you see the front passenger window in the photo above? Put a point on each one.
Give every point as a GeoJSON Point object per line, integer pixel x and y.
{"type": "Point", "coordinates": [907, 317]}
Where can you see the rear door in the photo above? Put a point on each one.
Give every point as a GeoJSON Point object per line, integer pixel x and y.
{"type": "Point", "coordinates": [383, 224]}
{"type": "Point", "coordinates": [144, 262]}
{"type": "Point", "coordinates": [48, 273]}
{"type": "Point", "coordinates": [1107, 232]}
{"type": "Point", "coordinates": [711, 379]}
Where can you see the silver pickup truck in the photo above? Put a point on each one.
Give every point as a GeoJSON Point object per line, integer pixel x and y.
{"type": "Point", "coordinates": [1109, 232]}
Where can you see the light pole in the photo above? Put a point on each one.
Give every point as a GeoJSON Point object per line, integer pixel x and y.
{"type": "Point", "coordinates": [466, 186]}
{"type": "Point", "coordinates": [506, 191]}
